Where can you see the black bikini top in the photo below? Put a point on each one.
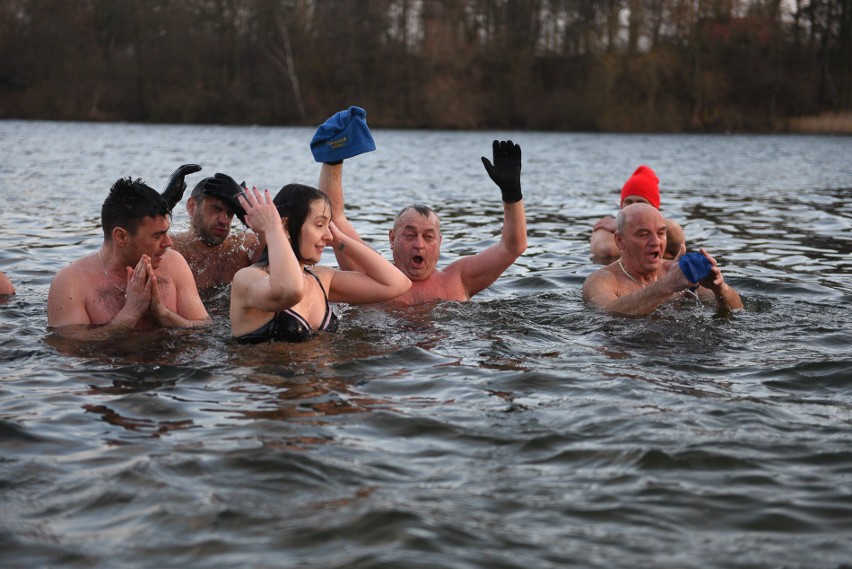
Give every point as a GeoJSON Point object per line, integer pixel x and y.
{"type": "Point", "coordinates": [290, 326]}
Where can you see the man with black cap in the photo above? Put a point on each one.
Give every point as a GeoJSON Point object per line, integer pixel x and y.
{"type": "Point", "coordinates": [213, 252]}
{"type": "Point", "coordinates": [416, 235]}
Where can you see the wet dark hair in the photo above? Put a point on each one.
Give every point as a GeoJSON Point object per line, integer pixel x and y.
{"type": "Point", "coordinates": [293, 201]}
{"type": "Point", "coordinates": [128, 203]}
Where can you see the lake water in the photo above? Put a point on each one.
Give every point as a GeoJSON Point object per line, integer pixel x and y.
{"type": "Point", "coordinates": [519, 430]}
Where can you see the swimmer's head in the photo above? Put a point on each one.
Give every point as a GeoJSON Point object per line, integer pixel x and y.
{"type": "Point", "coordinates": [629, 213]}
{"type": "Point", "coordinates": [227, 192]}
{"type": "Point", "coordinates": [129, 202]}
{"type": "Point", "coordinates": [416, 241]}
{"type": "Point", "coordinates": [642, 187]}
{"type": "Point", "coordinates": [293, 202]}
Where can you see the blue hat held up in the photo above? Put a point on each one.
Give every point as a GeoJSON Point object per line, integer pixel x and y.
{"type": "Point", "coordinates": [695, 266]}
{"type": "Point", "coordinates": [342, 136]}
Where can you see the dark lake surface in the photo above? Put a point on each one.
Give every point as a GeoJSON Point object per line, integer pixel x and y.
{"type": "Point", "coordinates": [520, 430]}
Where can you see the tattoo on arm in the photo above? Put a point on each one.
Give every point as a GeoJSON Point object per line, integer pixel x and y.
{"type": "Point", "coordinates": [341, 246]}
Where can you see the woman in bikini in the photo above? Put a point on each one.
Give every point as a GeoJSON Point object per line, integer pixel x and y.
{"type": "Point", "coordinates": [285, 295]}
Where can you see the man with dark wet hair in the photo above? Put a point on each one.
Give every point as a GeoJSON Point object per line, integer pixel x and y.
{"type": "Point", "coordinates": [416, 236]}
{"type": "Point", "coordinates": [213, 251]}
{"type": "Point", "coordinates": [134, 280]}
{"type": "Point", "coordinates": [641, 279]}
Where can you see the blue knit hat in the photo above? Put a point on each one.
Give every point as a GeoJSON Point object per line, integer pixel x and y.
{"type": "Point", "coordinates": [343, 136]}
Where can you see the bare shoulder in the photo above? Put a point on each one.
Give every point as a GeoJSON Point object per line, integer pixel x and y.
{"type": "Point", "coordinates": [174, 267]}
{"type": "Point", "coordinates": [248, 244]}
{"type": "Point", "coordinates": [452, 275]}
{"type": "Point", "coordinates": [180, 241]}
{"type": "Point", "coordinates": [78, 272]}
{"type": "Point", "coordinates": [247, 239]}
{"type": "Point", "coordinates": [322, 272]}
{"type": "Point", "coordinates": [173, 260]}
{"type": "Point", "coordinates": [603, 279]}
{"type": "Point", "coordinates": [248, 275]}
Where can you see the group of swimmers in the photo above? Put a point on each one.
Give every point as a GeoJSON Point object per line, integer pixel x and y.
{"type": "Point", "coordinates": [142, 277]}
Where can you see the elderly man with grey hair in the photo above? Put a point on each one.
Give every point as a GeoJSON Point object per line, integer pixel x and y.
{"type": "Point", "coordinates": [641, 279]}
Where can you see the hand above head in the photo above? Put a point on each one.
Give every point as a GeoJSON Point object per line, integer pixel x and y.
{"type": "Point", "coordinates": [261, 213]}
{"type": "Point", "coordinates": [226, 188]}
{"type": "Point", "coordinates": [344, 135]}
{"type": "Point", "coordinates": [506, 170]}
{"type": "Point", "coordinates": [176, 185]}
{"type": "Point", "coordinates": [223, 184]}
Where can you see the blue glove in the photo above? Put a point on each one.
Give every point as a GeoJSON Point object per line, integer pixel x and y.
{"type": "Point", "coordinates": [695, 267]}
{"type": "Point", "coordinates": [342, 136]}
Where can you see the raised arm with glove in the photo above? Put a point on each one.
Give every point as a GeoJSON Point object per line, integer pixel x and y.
{"type": "Point", "coordinates": [176, 185]}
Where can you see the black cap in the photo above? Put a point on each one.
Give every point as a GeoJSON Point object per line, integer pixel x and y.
{"type": "Point", "coordinates": [226, 189]}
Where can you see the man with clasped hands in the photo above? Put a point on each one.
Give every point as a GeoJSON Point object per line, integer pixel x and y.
{"type": "Point", "coordinates": [135, 280]}
{"type": "Point", "coordinates": [416, 236]}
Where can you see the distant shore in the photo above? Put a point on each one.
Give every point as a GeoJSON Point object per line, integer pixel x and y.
{"type": "Point", "coordinates": [824, 123]}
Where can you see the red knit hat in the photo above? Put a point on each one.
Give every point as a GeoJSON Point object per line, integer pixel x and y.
{"type": "Point", "coordinates": [643, 183]}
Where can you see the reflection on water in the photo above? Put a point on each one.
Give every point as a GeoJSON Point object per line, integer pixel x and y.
{"type": "Point", "coordinates": [518, 430]}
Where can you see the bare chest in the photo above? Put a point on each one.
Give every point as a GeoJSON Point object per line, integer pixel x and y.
{"type": "Point", "coordinates": [438, 287]}
{"type": "Point", "coordinates": [105, 300]}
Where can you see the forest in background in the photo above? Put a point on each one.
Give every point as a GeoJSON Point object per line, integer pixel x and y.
{"type": "Point", "coordinates": [571, 65]}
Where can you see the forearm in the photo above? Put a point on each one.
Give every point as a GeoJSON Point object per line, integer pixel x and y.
{"type": "Point", "coordinates": [642, 302]}
{"type": "Point", "coordinates": [285, 271]}
{"type": "Point", "coordinates": [170, 319]}
{"type": "Point", "coordinates": [331, 184]}
{"type": "Point", "coordinates": [81, 328]}
{"type": "Point", "coordinates": [727, 297]}
{"type": "Point", "coordinates": [514, 234]}
{"type": "Point", "coordinates": [368, 261]}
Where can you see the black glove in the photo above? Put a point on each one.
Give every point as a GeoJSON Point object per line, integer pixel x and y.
{"type": "Point", "coordinates": [506, 170]}
{"type": "Point", "coordinates": [176, 185]}
{"type": "Point", "coordinates": [226, 189]}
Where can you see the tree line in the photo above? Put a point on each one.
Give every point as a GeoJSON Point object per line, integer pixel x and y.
{"type": "Point", "coordinates": [593, 65]}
